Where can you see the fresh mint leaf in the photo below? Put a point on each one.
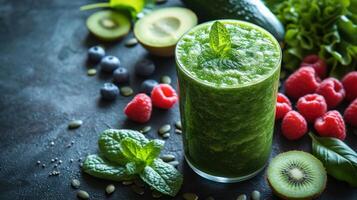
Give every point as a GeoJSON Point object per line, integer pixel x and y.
{"type": "Point", "coordinates": [339, 159]}
{"type": "Point", "coordinates": [110, 147]}
{"type": "Point", "coordinates": [163, 177]}
{"type": "Point", "coordinates": [135, 167]}
{"type": "Point", "coordinates": [219, 38]}
{"type": "Point", "coordinates": [101, 168]}
{"type": "Point", "coordinates": [131, 149]}
{"type": "Point", "coordinates": [152, 150]}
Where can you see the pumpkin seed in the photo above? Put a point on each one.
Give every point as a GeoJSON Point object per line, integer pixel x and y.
{"type": "Point", "coordinates": [165, 79]}
{"type": "Point", "coordinates": [75, 124]}
{"type": "Point", "coordinates": [126, 91]}
{"type": "Point", "coordinates": [174, 163]}
{"type": "Point", "coordinates": [178, 131]}
{"type": "Point", "coordinates": [167, 157]}
{"type": "Point", "coordinates": [110, 189]}
{"type": "Point", "coordinates": [127, 182]}
{"type": "Point", "coordinates": [190, 196]}
{"type": "Point", "coordinates": [210, 198]}
{"type": "Point", "coordinates": [146, 129]}
{"type": "Point", "coordinates": [255, 195]}
{"type": "Point", "coordinates": [137, 189]}
{"type": "Point", "coordinates": [75, 183]}
{"type": "Point", "coordinates": [164, 129]}
{"type": "Point", "coordinates": [178, 125]}
{"type": "Point", "coordinates": [166, 135]}
{"type": "Point", "coordinates": [91, 72]}
{"type": "Point", "coordinates": [242, 197]}
{"type": "Point", "coordinates": [155, 194]}
{"type": "Point", "coordinates": [82, 194]}
{"type": "Point", "coordinates": [131, 42]}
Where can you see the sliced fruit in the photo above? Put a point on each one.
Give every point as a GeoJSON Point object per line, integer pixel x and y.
{"type": "Point", "coordinates": [160, 30]}
{"type": "Point", "coordinates": [108, 25]}
{"type": "Point", "coordinates": [296, 175]}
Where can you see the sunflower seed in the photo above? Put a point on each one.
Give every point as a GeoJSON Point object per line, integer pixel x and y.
{"type": "Point", "coordinates": [75, 124]}
{"type": "Point", "coordinates": [165, 79]}
{"type": "Point", "coordinates": [255, 195]}
{"type": "Point", "coordinates": [174, 163]}
{"type": "Point", "coordinates": [91, 72]}
{"type": "Point", "coordinates": [127, 182]}
{"type": "Point", "coordinates": [242, 197]}
{"type": "Point", "coordinates": [167, 157]}
{"type": "Point", "coordinates": [131, 42]}
{"type": "Point", "coordinates": [155, 194]}
{"type": "Point", "coordinates": [178, 131]}
{"type": "Point", "coordinates": [164, 129]}
{"type": "Point", "coordinates": [75, 183]}
{"type": "Point", "coordinates": [137, 189]}
{"type": "Point", "coordinates": [110, 189]}
{"type": "Point", "coordinates": [190, 196]}
{"type": "Point", "coordinates": [146, 129]}
{"type": "Point", "coordinates": [126, 91]}
{"type": "Point", "coordinates": [82, 194]}
{"type": "Point", "coordinates": [166, 135]}
{"type": "Point", "coordinates": [178, 125]}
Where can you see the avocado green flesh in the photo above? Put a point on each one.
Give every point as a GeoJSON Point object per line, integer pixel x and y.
{"type": "Point", "coordinates": [227, 109]}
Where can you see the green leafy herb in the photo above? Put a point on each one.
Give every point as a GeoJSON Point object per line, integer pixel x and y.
{"type": "Point", "coordinates": [126, 154]}
{"type": "Point", "coordinates": [163, 177]}
{"type": "Point", "coordinates": [219, 38]}
{"type": "Point", "coordinates": [338, 158]}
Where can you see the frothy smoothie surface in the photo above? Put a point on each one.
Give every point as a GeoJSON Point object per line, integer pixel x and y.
{"type": "Point", "coordinates": [254, 55]}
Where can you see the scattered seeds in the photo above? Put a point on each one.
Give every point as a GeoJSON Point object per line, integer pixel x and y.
{"type": "Point", "coordinates": [178, 125]}
{"type": "Point", "coordinates": [82, 194]}
{"type": "Point", "coordinates": [52, 143]}
{"type": "Point", "coordinates": [210, 198]}
{"type": "Point", "coordinates": [165, 79]}
{"type": "Point", "coordinates": [164, 129]}
{"type": "Point", "coordinates": [126, 91]}
{"type": "Point", "coordinates": [91, 72]}
{"type": "Point", "coordinates": [174, 163]}
{"type": "Point", "coordinates": [255, 195]}
{"type": "Point", "coordinates": [146, 129]}
{"type": "Point", "coordinates": [38, 162]}
{"type": "Point", "coordinates": [166, 135]}
{"type": "Point", "coordinates": [110, 189]}
{"type": "Point", "coordinates": [131, 42]}
{"type": "Point", "coordinates": [55, 166]}
{"type": "Point", "coordinates": [190, 196]}
{"type": "Point", "coordinates": [71, 160]}
{"type": "Point", "coordinates": [54, 173]}
{"type": "Point", "coordinates": [75, 124]}
{"type": "Point", "coordinates": [242, 197]}
{"type": "Point", "coordinates": [75, 183]}
{"type": "Point", "coordinates": [137, 189]}
{"type": "Point", "coordinates": [127, 182]}
{"type": "Point", "coordinates": [60, 162]}
{"type": "Point", "coordinates": [155, 194]}
{"type": "Point", "coordinates": [52, 160]}
{"type": "Point", "coordinates": [167, 157]}
{"type": "Point", "coordinates": [56, 159]}
{"type": "Point", "coordinates": [43, 165]}
{"type": "Point", "coordinates": [178, 131]}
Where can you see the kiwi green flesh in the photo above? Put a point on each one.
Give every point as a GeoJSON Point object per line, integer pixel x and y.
{"type": "Point", "coordinates": [108, 25]}
{"type": "Point", "coordinates": [160, 30]}
{"type": "Point", "coordinates": [296, 175]}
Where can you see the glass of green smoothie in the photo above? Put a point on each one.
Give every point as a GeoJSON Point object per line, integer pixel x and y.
{"type": "Point", "coordinates": [228, 73]}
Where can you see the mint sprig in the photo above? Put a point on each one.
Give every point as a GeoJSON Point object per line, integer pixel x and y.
{"type": "Point", "coordinates": [126, 154]}
{"type": "Point", "coordinates": [219, 39]}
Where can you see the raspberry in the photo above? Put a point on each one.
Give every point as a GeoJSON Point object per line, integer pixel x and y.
{"type": "Point", "coordinates": [139, 109]}
{"type": "Point", "coordinates": [350, 114]}
{"type": "Point", "coordinates": [301, 82]}
{"type": "Point", "coordinates": [333, 92]}
{"type": "Point", "coordinates": [350, 84]}
{"type": "Point", "coordinates": [316, 63]}
{"type": "Point", "coordinates": [283, 106]}
{"type": "Point", "coordinates": [163, 96]}
{"type": "Point", "coordinates": [331, 124]}
{"type": "Point", "coordinates": [311, 106]}
{"type": "Point", "coordinates": [294, 125]}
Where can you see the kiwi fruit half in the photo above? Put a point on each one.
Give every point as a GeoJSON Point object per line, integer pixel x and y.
{"type": "Point", "coordinates": [108, 25]}
{"type": "Point", "coordinates": [160, 30]}
{"type": "Point", "coordinates": [296, 175]}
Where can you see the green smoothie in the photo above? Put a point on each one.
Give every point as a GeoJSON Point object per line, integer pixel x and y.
{"type": "Point", "coordinates": [227, 101]}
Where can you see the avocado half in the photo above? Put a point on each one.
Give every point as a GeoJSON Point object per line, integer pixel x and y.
{"type": "Point", "coordinates": [160, 30]}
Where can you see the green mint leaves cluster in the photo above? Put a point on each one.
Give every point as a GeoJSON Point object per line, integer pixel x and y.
{"type": "Point", "coordinates": [219, 39]}
{"type": "Point", "coordinates": [126, 155]}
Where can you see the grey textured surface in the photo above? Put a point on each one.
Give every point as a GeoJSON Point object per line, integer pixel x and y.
{"type": "Point", "coordinates": [43, 85]}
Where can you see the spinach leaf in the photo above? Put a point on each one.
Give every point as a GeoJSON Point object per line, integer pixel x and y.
{"type": "Point", "coordinates": [338, 158]}
{"type": "Point", "coordinates": [163, 177]}
{"type": "Point", "coordinates": [219, 38]}
{"type": "Point", "coordinates": [101, 168]}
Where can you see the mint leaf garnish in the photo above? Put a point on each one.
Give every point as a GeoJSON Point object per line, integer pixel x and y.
{"type": "Point", "coordinates": [101, 168]}
{"type": "Point", "coordinates": [219, 39]}
{"type": "Point", "coordinates": [152, 150]}
{"type": "Point", "coordinates": [163, 177]}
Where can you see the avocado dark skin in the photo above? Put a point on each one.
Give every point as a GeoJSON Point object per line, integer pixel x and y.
{"type": "Point", "coordinates": [253, 11]}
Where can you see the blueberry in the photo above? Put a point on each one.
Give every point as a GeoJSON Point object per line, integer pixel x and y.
{"type": "Point", "coordinates": [96, 53]}
{"type": "Point", "coordinates": [121, 75]}
{"type": "Point", "coordinates": [148, 85]}
{"type": "Point", "coordinates": [109, 63]}
{"type": "Point", "coordinates": [145, 68]}
{"type": "Point", "coordinates": [109, 91]}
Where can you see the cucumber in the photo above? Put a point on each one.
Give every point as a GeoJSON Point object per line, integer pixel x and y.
{"type": "Point", "coordinates": [253, 11]}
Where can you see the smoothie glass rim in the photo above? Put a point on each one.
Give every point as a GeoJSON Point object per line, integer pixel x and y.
{"type": "Point", "coordinates": [215, 86]}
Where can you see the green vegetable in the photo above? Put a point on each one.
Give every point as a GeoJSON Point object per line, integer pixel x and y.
{"type": "Point", "coordinates": [338, 158]}
{"type": "Point", "coordinates": [324, 27]}
{"type": "Point", "coordinates": [125, 154]}
{"type": "Point", "coordinates": [219, 38]}
{"type": "Point", "coordinates": [253, 11]}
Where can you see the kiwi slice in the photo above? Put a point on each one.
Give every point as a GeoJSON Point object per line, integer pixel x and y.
{"type": "Point", "coordinates": [108, 25]}
{"type": "Point", "coordinates": [296, 175]}
{"type": "Point", "coordinates": [160, 30]}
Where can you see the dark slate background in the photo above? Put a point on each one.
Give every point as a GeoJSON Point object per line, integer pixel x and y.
{"type": "Point", "coordinates": [43, 85]}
